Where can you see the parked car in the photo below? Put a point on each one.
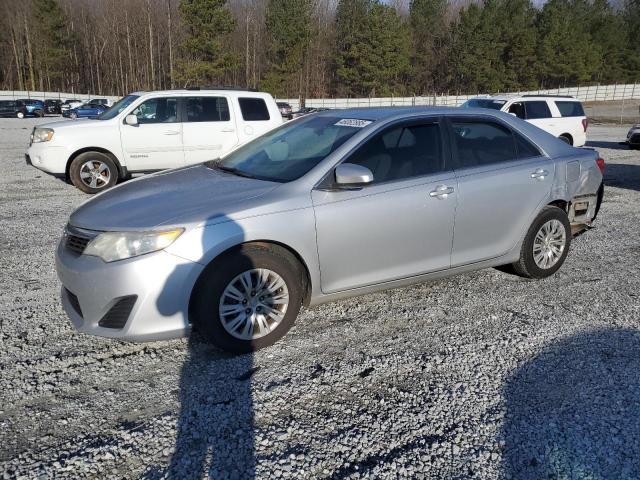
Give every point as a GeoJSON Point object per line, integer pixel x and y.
{"type": "Point", "coordinates": [70, 103]}
{"type": "Point", "coordinates": [306, 111]}
{"type": "Point", "coordinates": [285, 109]}
{"type": "Point", "coordinates": [13, 108]}
{"type": "Point", "coordinates": [100, 101]}
{"type": "Point", "coordinates": [34, 108]}
{"type": "Point", "coordinates": [368, 197]}
{"type": "Point", "coordinates": [633, 137]}
{"type": "Point", "coordinates": [53, 106]}
{"type": "Point", "coordinates": [85, 111]}
{"type": "Point", "coordinates": [561, 116]}
{"type": "Point", "coordinates": [144, 132]}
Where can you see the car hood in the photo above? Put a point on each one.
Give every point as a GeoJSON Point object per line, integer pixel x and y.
{"type": "Point", "coordinates": [63, 125]}
{"type": "Point", "coordinates": [181, 197]}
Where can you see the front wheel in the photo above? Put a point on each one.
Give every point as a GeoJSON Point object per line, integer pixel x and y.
{"type": "Point", "coordinates": [249, 298]}
{"type": "Point", "coordinates": [20, 114]}
{"type": "Point", "coordinates": [73, 115]}
{"type": "Point", "coordinates": [546, 244]}
{"type": "Point", "coordinates": [93, 172]}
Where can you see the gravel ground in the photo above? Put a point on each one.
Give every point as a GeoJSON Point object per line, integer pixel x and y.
{"type": "Point", "coordinates": [483, 375]}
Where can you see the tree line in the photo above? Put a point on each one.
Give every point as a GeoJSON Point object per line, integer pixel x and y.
{"type": "Point", "coordinates": [317, 48]}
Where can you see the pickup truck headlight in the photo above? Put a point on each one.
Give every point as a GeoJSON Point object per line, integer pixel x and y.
{"type": "Point", "coordinates": [112, 246]}
{"type": "Point", "coordinates": [41, 134]}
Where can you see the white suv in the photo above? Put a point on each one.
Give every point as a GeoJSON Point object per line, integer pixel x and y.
{"type": "Point", "coordinates": [562, 117]}
{"type": "Point", "coordinates": [151, 131]}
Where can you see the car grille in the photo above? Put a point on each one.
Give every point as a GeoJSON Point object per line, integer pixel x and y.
{"type": "Point", "coordinates": [76, 243]}
{"type": "Point", "coordinates": [118, 315]}
{"type": "Point", "coordinates": [77, 239]}
{"type": "Point", "coordinates": [75, 304]}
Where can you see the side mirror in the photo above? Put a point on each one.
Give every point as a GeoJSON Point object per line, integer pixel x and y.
{"type": "Point", "coordinates": [131, 120]}
{"type": "Point", "coordinates": [350, 174]}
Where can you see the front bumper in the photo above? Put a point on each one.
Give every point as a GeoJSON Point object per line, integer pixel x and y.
{"type": "Point", "coordinates": [48, 158]}
{"type": "Point", "coordinates": [161, 282]}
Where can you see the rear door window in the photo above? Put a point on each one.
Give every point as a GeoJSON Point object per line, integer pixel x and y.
{"type": "Point", "coordinates": [207, 109]}
{"type": "Point", "coordinates": [253, 109]}
{"type": "Point", "coordinates": [570, 109]}
{"type": "Point", "coordinates": [479, 143]}
{"type": "Point", "coordinates": [526, 149]}
{"type": "Point", "coordinates": [537, 109]}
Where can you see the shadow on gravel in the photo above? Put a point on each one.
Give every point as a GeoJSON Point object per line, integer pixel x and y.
{"type": "Point", "coordinates": [572, 412]}
{"type": "Point", "coordinates": [215, 436]}
{"type": "Point", "coordinates": [622, 175]}
{"type": "Point", "coordinates": [609, 145]}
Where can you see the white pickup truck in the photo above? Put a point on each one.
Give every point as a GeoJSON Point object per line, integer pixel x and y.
{"type": "Point", "coordinates": [151, 131]}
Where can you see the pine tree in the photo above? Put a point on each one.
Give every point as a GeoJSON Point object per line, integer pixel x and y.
{"type": "Point", "coordinates": [206, 55]}
{"type": "Point", "coordinates": [429, 31]}
{"type": "Point", "coordinates": [52, 40]}
{"type": "Point", "coordinates": [373, 49]}
{"type": "Point", "coordinates": [289, 32]}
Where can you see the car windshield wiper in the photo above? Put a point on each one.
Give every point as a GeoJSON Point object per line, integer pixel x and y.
{"type": "Point", "coordinates": [233, 171]}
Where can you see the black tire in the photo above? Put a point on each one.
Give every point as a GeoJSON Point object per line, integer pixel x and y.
{"type": "Point", "coordinates": [39, 113]}
{"type": "Point", "coordinates": [205, 299]}
{"type": "Point", "coordinates": [566, 139]}
{"type": "Point", "coordinates": [98, 158]}
{"type": "Point", "coordinates": [526, 265]}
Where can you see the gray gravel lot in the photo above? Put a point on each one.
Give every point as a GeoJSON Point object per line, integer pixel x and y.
{"type": "Point", "coordinates": [484, 375]}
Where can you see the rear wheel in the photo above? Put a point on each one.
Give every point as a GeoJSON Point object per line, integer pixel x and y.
{"type": "Point", "coordinates": [39, 113]}
{"type": "Point", "coordinates": [249, 298]}
{"type": "Point", "coordinates": [546, 244]}
{"type": "Point", "coordinates": [20, 114]}
{"type": "Point", "coordinates": [93, 172]}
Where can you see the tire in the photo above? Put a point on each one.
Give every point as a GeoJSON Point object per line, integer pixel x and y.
{"type": "Point", "coordinates": [101, 168]}
{"type": "Point", "coordinates": [73, 115]}
{"type": "Point", "coordinates": [550, 218]}
{"type": "Point", "coordinates": [566, 139]}
{"type": "Point", "coordinates": [211, 296]}
{"type": "Point", "coordinates": [39, 113]}
{"type": "Point", "coordinates": [19, 114]}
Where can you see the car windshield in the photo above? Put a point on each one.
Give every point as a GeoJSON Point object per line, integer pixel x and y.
{"type": "Point", "coordinates": [484, 103]}
{"type": "Point", "coordinates": [118, 107]}
{"type": "Point", "coordinates": [290, 151]}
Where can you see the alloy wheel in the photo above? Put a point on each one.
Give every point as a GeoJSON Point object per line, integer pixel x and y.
{"type": "Point", "coordinates": [253, 304]}
{"type": "Point", "coordinates": [95, 174]}
{"type": "Point", "coordinates": [549, 244]}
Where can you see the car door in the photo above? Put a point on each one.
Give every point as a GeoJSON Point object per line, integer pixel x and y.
{"type": "Point", "coordinates": [502, 179]}
{"type": "Point", "coordinates": [155, 142]}
{"type": "Point", "coordinates": [400, 225]}
{"type": "Point", "coordinates": [209, 129]}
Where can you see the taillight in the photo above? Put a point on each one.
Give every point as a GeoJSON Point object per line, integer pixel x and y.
{"type": "Point", "coordinates": [600, 163]}
{"type": "Point", "coordinates": [585, 124]}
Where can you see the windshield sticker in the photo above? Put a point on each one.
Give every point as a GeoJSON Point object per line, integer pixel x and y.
{"type": "Point", "coordinates": [353, 122]}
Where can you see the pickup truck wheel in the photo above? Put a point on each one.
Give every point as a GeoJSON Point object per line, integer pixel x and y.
{"type": "Point", "coordinates": [93, 172]}
{"type": "Point", "coordinates": [546, 244]}
{"type": "Point", "coordinates": [566, 139]}
{"type": "Point", "coordinates": [248, 299]}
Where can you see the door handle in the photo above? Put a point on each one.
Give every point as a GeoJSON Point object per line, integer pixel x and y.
{"type": "Point", "coordinates": [228, 130]}
{"type": "Point", "coordinates": [172, 132]}
{"type": "Point", "coordinates": [441, 192]}
{"type": "Point", "coordinates": [540, 174]}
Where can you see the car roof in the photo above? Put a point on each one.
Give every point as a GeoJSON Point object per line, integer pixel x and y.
{"type": "Point", "coordinates": [382, 113]}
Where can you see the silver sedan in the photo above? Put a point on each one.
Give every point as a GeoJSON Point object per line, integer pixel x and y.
{"type": "Point", "coordinates": [332, 205]}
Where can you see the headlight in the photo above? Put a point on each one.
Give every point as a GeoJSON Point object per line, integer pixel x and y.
{"type": "Point", "coordinates": [112, 246]}
{"type": "Point", "coordinates": [42, 134]}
